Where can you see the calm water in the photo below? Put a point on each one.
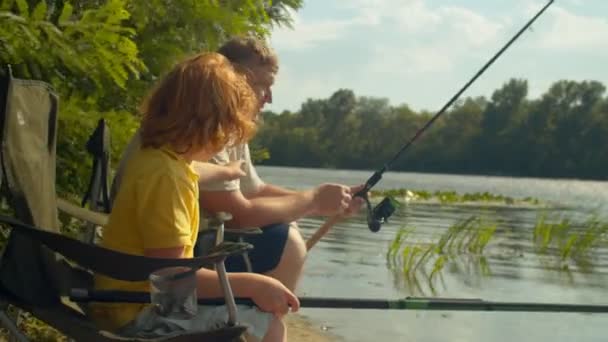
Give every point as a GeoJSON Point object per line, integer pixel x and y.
{"type": "Point", "coordinates": [351, 262]}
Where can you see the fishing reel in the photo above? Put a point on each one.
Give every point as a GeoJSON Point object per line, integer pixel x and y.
{"type": "Point", "coordinates": [379, 214]}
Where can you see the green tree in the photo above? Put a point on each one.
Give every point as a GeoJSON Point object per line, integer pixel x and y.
{"type": "Point", "coordinates": [79, 53]}
{"type": "Point", "coordinates": [561, 134]}
{"type": "Point", "coordinates": [102, 56]}
{"type": "Point", "coordinates": [499, 127]}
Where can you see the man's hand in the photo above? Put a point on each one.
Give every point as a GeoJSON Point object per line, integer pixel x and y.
{"type": "Point", "coordinates": [356, 203]}
{"type": "Point", "coordinates": [331, 199]}
{"type": "Point", "coordinates": [353, 207]}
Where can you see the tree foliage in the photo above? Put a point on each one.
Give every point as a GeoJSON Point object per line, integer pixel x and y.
{"type": "Point", "coordinates": [564, 133]}
{"type": "Point", "coordinates": [102, 56]}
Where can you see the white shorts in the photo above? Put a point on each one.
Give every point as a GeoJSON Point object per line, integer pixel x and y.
{"type": "Point", "coordinates": [148, 324]}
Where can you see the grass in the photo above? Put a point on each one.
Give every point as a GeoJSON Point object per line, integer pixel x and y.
{"type": "Point", "coordinates": [34, 329]}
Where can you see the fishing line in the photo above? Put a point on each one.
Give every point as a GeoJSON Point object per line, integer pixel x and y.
{"type": "Point", "coordinates": [380, 214]}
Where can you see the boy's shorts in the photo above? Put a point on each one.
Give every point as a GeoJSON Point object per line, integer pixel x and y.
{"type": "Point", "coordinates": [267, 250]}
{"type": "Point", "coordinates": [148, 324]}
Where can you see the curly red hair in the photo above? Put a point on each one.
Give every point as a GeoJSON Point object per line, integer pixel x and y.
{"type": "Point", "coordinates": [203, 103]}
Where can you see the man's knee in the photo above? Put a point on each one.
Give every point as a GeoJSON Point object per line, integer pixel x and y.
{"type": "Point", "coordinates": [292, 260]}
{"type": "Point", "coordinates": [295, 247]}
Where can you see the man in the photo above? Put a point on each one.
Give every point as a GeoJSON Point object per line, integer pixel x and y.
{"type": "Point", "coordinates": [279, 251]}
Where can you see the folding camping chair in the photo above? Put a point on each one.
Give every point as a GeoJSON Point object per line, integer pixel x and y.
{"type": "Point", "coordinates": [40, 266]}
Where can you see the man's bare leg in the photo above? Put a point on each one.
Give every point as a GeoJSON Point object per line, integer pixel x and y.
{"type": "Point", "coordinates": [289, 269]}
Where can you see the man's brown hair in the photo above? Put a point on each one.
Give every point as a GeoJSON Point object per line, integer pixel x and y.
{"type": "Point", "coordinates": [250, 52]}
{"type": "Point", "coordinates": [203, 103]}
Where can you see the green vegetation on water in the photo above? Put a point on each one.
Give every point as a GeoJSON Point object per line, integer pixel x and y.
{"type": "Point", "coordinates": [449, 197]}
{"type": "Point", "coordinates": [564, 245]}
{"type": "Point", "coordinates": [413, 259]}
{"type": "Point", "coordinates": [570, 243]}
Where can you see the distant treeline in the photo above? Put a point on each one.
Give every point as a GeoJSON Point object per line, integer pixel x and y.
{"type": "Point", "coordinates": [564, 133]}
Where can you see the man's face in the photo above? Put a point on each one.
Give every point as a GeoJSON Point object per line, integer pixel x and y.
{"type": "Point", "coordinates": [262, 81]}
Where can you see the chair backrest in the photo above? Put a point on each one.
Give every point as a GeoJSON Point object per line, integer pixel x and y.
{"type": "Point", "coordinates": [97, 195]}
{"type": "Point", "coordinates": [98, 145]}
{"type": "Point", "coordinates": [28, 132]}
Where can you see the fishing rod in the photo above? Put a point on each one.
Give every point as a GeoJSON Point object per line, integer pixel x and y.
{"type": "Point", "coordinates": [408, 303]}
{"type": "Point", "coordinates": [381, 213]}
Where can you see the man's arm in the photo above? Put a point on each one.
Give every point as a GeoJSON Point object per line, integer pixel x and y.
{"type": "Point", "coordinates": [270, 190]}
{"type": "Point", "coordinates": [324, 200]}
{"type": "Point", "coordinates": [259, 211]}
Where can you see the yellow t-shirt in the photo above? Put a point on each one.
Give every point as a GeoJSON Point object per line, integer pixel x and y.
{"type": "Point", "coordinates": [156, 207]}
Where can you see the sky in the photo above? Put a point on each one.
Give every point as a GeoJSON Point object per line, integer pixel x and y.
{"type": "Point", "coordinates": [421, 52]}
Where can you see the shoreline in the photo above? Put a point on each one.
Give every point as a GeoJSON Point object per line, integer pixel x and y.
{"type": "Point", "coordinates": [301, 329]}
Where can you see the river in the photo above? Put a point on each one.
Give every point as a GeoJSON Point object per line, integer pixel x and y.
{"type": "Point", "coordinates": [350, 262]}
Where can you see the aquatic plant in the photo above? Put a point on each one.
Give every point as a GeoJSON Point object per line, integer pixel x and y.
{"type": "Point", "coordinates": [462, 244]}
{"type": "Point", "coordinates": [569, 242]}
{"type": "Point", "coordinates": [450, 197]}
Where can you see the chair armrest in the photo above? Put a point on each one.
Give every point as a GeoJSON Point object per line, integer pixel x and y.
{"type": "Point", "coordinates": [81, 295]}
{"type": "Point", "coordinates": [235, 234]}
{"type": "Point", "coordinates": [243, 231]}
{"type": "Point", "coordinates": [115, 264]}
{"type": "Point", "coordinates": [82, 213]}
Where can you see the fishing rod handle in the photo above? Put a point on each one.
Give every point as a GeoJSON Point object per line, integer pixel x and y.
{"type": "Point", "coordinates": [373, 180]}
{"type": "Point", "coordinates": [330, 222]}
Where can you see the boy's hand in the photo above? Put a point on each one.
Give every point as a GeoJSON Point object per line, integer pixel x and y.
{"type": "Point", "coordinates": [271, 295]}
{"type": "Point", "coordinates": [235, 169]}
{"type": "Point", "coordinates": [209, 173]}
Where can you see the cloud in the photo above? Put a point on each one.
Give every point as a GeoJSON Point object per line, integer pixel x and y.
{"type": "Point", "coordinates": [409, 18]}
{"type": "Point", "coordinates": [472, 28]}
{"type": "Point", "coordinates": [309, 34]}
{"type": "Point", "coordinates": [416, 16]}
{"type": "Point", "coordinates": [418, 59]}
{"type": "Point", "coordinates": [571, 31]}
{"type": "Point", "coordinates": [372, 46]}
{"type": "Point", "coordinates": [294, 85]}
{"type": "Point", "coordinates": [433, 38]}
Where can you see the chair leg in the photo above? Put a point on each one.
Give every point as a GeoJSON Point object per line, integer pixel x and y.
{"type": "Point", "coordinates": [220, 268]}
{"type": "Point", "coordinates": [246, 258]}
{"type": "Point", "coordinates": [228, 295]}
{"type": "Point", "coordinates": [14, 334]}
